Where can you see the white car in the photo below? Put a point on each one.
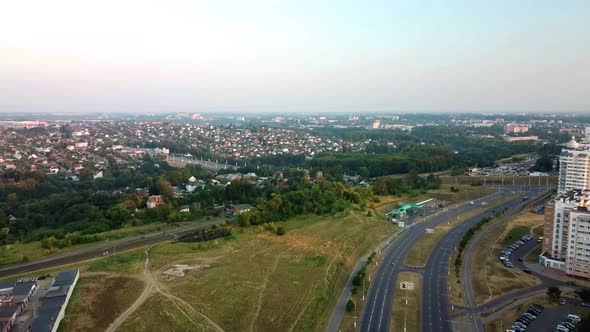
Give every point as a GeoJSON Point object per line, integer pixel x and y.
{"type": "Point", "coordinates": [575, 318]}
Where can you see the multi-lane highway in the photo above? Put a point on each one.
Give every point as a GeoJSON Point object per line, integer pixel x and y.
{"type": "Point", "coordinates": [434, 300]}
{"type": "Point", "coordinates": [376, 315]}
{"type": "Point", "coordinates": [475, 311]}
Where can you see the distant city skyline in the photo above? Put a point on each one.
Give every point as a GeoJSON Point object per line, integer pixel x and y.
{"type": "Point", "coordinates": [295, 56]}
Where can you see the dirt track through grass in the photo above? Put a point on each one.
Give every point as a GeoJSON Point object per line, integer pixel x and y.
{"type": "Point", "coordinates": [152, 285]}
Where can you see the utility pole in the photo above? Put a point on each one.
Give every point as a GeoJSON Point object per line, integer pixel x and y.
{"type": "Point", "coordinates": [363, 289]}
{"type": "Point", "coordinates": [354, 317]}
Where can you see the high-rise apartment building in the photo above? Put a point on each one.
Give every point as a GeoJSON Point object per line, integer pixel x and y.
{"type": "Point", "coordinates": [574, 167]}
{"type": "Point", "coordinates": [566, 242]}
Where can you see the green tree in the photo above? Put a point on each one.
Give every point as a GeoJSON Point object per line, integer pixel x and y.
{"type": "Point", "coordinates": [554, 293]}
{"type": "Point", "coordinates": [349, 306]}
{"type": "Point", "coordinates": [543, 164]}
{"type": "Point", "coordinates": [165, 188]}
{"type": "Point", "coordinates": [49, 242]}
{"type": "Point", "coordinates": [455, 171]}
{"type": "Point", "coordinates": [380, 186]}
{"type": "Point", "coordinates": [174, 217]}
{"type": "Point", "coordinates": [2, 219]}
{"type": "Point", "coordinates": [86, 174]}
{"type": "Point", "coordinates": [364, 172]}
{"type": "Point", "coordinates": [244, 219]}
{"type": "Point", "coordinates": [73, 238]}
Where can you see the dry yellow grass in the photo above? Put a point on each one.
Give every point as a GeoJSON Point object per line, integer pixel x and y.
{"type": "Point", "coordinates": [406, 306]}
{"type": "Point", "coordinates": [98, 300]}
{"type": "Point", "coordinates": [347, 324]}
{"type": "Point", "coordinates": [261, 281]}
{"type": "Point", "coordinates": [490, 278]}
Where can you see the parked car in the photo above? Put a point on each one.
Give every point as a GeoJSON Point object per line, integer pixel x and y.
{"type": "Point", "coordinates": [574, 317]}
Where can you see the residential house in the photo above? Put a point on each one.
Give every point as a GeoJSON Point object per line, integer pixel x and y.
{"type": "Point", "coordinates": [154, 201]}
{"type": "Point", "coordinates": [240, 208]}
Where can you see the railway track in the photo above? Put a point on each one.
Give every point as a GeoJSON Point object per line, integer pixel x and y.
{"type": "Point", "coordinates": [99, 252]}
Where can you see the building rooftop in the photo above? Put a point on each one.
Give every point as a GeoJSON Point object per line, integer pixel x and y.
{"type": "Point", "coordinates": [23, 288]}
{"type": "Point", "coordinates": [47, 314]}
{"type": "Point", "coordinates": [66, 277]}
{"type": "Point", "coordinates": [579, 197]}
{"type": "Point", "coordinates": [7, 284]}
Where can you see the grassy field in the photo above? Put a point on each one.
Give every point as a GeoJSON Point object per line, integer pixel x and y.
{"type": "Point", "coordinates": [406, 307]}
{"type": "Point", "coordinates": [24, 252]}
{"type": "Point", "coordinates": [254, 281]}
{"type": "Point", "coordinates": [98, 299]}
{"type": "Point", "coordinates": [490, 278]}
{"type": "Point", "coordinates": [159, 313]}
{"type": "Point", "coordinates": [515, 234]}
{"type": "Point", "coordinates": [465, 193]}
{"type": "Point", "coordinates": [419, 254]}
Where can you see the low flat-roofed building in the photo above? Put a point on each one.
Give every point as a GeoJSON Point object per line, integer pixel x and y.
{"type": "Point", "coordinates": [66, 277]}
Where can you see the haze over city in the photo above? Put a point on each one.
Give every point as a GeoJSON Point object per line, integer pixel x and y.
{"type": "Point", "coordinates": [297, 166]}
{"type": "Point", "coordinates": [285, 56]}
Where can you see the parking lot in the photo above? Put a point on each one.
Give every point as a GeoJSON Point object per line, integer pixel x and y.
{"type": "Point", "coordinates": [548, 319]}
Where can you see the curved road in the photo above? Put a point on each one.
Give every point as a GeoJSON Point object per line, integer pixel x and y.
{"type": "Point", "coordinates": [434, 297]}
{"type": "Point", "coordinates": [475, 311]}
{"type": "Point", "coordinates": [376, 315]}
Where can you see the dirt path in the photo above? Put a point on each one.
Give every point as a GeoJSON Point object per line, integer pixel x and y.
{"type": "Point", "coordinates": [263, 287]}
{"type": "Point", "coordinates": [147, 292]}
{"type": "Point", "coordinates": [152, 285]}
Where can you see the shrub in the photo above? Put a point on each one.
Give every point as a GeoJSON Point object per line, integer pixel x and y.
{"type": "Point", "coordinates": [349, 306]}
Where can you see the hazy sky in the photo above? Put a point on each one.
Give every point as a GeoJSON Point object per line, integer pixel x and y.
{"type": "Point", "coordinates": [299, 55]}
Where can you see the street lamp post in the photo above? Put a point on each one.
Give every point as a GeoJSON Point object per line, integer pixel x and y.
{"type": "Point", "coordinates": [405, 310]}
{"type": "Point", "coordinates": [354, 317]}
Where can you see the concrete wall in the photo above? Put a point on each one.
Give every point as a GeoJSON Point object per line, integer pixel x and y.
{"type": "Point", "coordinates": [62, 312]}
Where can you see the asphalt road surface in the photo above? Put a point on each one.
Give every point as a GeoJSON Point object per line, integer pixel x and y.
{"type": "Point", "coordinates": [434, 301]}
{"type": "Point", "coordinates": [98, 250]}
{"type": "Point", "coordinates": [376, 315]}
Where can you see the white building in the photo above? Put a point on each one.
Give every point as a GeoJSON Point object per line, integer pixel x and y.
{"type": "Point", "coordinates": [574, 167]}
{"type": "Point", "coordinates": [566, 243]}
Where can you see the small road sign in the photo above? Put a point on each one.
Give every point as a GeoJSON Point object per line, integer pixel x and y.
{"type": "Point", "coordinates": [406, 285]}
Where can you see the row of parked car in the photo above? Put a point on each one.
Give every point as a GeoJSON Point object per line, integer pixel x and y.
{"type": "Point", "coordinates": [568, 324]}
{"type": "Point", "coordinates": [526, 318]}
{"type": "Point", "coordinates": [507, 252]}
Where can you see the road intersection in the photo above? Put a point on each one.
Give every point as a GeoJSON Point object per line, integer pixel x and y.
{"type": "Point", "coordinates": [377, 312]}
